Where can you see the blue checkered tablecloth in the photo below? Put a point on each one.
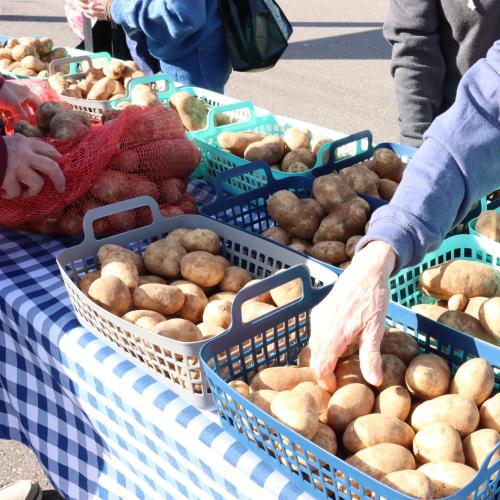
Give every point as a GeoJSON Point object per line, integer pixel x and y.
{"type": "Point", "coordinates": [101, 426]}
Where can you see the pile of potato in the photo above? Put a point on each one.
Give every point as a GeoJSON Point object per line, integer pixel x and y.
{"type": "Point", "coordinates": [488, 224]}
{"type": "Point", "coordinates": [27, 56]}
{"type": "Point", "coordinates": [327, 226]}
{"type": "Point", "coordinates": [56, 121]}
{"type": "Point", "coordinates": [468, 296]}
{"type": "Point", "coordinates": [422, 432]}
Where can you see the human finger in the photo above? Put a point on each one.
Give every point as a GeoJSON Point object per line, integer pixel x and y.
{"type": "Point", "coordinates": [45, 149]}
{"type": "Point", "coordinates": [370, 359]}
{"type": "Point", "coordinates": [12, 188]}
{"type": "Point", "coordinates": [52, 170]}
{"type": "Point", "coordinates": [34, 182]}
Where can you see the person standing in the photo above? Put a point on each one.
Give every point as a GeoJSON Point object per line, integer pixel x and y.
{"type": "Point", "coordinates": [434, 42]}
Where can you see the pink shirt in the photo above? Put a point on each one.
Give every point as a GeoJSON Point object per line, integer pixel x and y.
{"type": "Point", "coordinates": [74, 16]}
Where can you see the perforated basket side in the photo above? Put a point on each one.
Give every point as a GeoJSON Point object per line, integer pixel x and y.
{"type": "Point", "coordinates": [245, 348]}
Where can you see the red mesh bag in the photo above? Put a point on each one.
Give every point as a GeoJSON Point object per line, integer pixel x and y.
{"type": "Point", "coordinates": [142, 151]}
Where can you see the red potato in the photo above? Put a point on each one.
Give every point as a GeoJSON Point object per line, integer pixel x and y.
{"type": "Point", "coordinates": [125, 161]}
{"type": "Point", "coordinates": [171, 190]}
{"type": "Point", "coordinates": [71, 223]}
{"type": "Point", "coordinates": [110, 187]}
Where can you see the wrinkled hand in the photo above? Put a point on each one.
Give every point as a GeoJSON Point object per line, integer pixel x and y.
{"type": "Point", "coordinates": [357, 305]}
{"type": "Point", "coordinates": [94, 9]}
{"type": "Point", "coordinates": [27, 159]}
{"type": "Point", "coordinates": [12, 96]}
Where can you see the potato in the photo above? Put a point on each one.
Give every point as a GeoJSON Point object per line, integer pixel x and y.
{"type": "Point", "coordinates": [277, 234]}
{"type": "Point", "coordinates": [321, 397]}
{"type": "Point", "coordinates": [124, 270]}
{"type": "Point", "coordinates": [347, 220]}
{"type": "Point", "coordinates": [46, 111]}
{"type": "Point", "coordinates": [240, 387]}
{"type": "Point", "coordinates": [387, 164]}
{"type": "Point", "coordinates": [428, 376]}
{"type": "Point", "coordinates": [438, 442]}
{"type": "Point", "coordinates": [410, 482]}
{"type": "Point", "coordinates": [361, 179]}
{"type": "Point", "coordinates": [262, 398]}
{"type": "Point", "coordinates": [430, 311]}
{"type": "Point", "coordinates": [66, 125]}
{"type": "Point", "coordinates": [209, 330]}
{"type": "Point", "coordinates": [332, 252]}
{"type": "Point", "coordinates": [375, 428]}
{"type": "Point", "coordinates": [348, 371]}
{"type": "Point", "coordinates": [472, 279]}
{"type": "Point", "coordinates": [87, 279]}
{"type": "Point", "coordinates": [400, 344]}
{"type": "Point", "coordinates": [252, 310]}
{"type": "Point", "coordinates": [23, 71]}
{"type": "Point", "coordinates": [142, 95]}
{"type": "Point", "coordinates": [331, 190]}
{"type": "Point", "coordinates": [312, 203]}
{"type": "Point", "coordinates": [148, 323]}
{"type": "Point", "coordinates": [270, 149]}
{"type": "Point", "coordinates": [325, 438]}
{"type": "Point", "coordinates": [110, 252]}
{"type": "Point", "coordinates": [387, 188]}
{"type": "Point", "coordinates": [237, 142]}
{"type": "Point", "coordinates": [287, 293]}
{"type": "Point", "coordinates": [204, 240]}
{"type": "Point", "coordinates": [350, 246]}
{"type": "Point", "coordinates": [226, 296]}
{"type": "Point", "coordinates": [297, 410]}
{"type": "Point", "coordinates": [297, 219]}
{"type": "Point", "coordinates": [188, 287]}
{"type": "Point", "coordinates": [459, 412]}
{"type": "Point", "coordinates": [193, 307]}
{"type": "Point", "coordinates": [235, 278]}
{"type": "Point", "coordinates": [34, 63]}
{"type": "Point", "coordinates": [300, 155]}
{"type": "Point", "coordinates": [19, 52]}
{"type": "Point", "coordinates": [474, 380]}
{"type": "Point", "coordinates": [57, 82]}
{"type": "Point", "coordinates": [394, 401]}
{"type": "Point", "coordinates": [345, 264]}
{"type": "Point", "coordinates": [296, 167]}
{"type": "Point", "coordinates": [447, 477]}
{"type": "Point", "coordinates": [467, 324]}
{"type": "Point", "coordinates": [488, 224]}
{"type": "Point", "coordinates": [58, 53]}
{"type": "Point", "coordinates": [347, 404]}
{"type": "Point", "coordinates": [163, 258]}
{"type": "Point", "coordinates": [192, 111]}
{"type": "Point", "coordinates": [457, 302]}
{"type": "Point", "coordinates": [135, 315]}
{"type": "Point", "coordinates": [25, 128]}
{"type": "Point", "coordinates": [263, 297]}
{"type": "Point", "coordinates": [102, 90]}
{"type": "Point", "coordinates": [202, 268]}
{"type": "Point", "coordinates": [478, 445]}
{"type": "Point", "coordinates": [114, 69]}
{"type": "Point", "coordinates": [490, 413]}
{"type": "Point", "coordinates": [112, 294]}
{"type": "Point", "coordinates": [474, 305]}
{"type": "Point", "coordinates": [296, 138]}
{"type": "Point", "coordinates": [164, 299]}
{"type": "Point", "coordinates": [93, 75]}
{"type": "Point", "coordinates": [44, 46]}
{"type": "Point", "coordinates": [5, 63]}
{"type": "Point", "coordinates": [218, 312]}
{"type": "Point", "coordinates": [299, 246]}
{"type": "Point", "coordinates": [489, 316]}
{"type": "Point", "coordinates": [177, 235]}
{"type": "Point", "coordinates": [281, 378]}
{"type": "Point", "coordinates": [150, 278]}
{"type": "Point", "coordinates": [393, 372]}
{"type": "Point", "coordinates": [178, 329]}
{"type": "Point", "coordinates": [382, 459]}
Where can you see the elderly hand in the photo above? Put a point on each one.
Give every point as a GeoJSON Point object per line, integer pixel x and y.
{"type": "Point", "coordinates": [12, 96]}
{"type": "Point", "coordinates": [26, 160]}
{"type": "Point", "coordinates": [95, 9]}
{"type": "Point", "coordinates": [357, 305]}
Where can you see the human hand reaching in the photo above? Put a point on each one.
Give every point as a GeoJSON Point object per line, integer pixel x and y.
{"type": "Point", "coordinates": [357, 305]}
{"type": "Point", "coordinates": [12, 97]}
{"type": "Point", "coordinates": [26, 160]}
{"type": "Point", "coordinates": [95, 9]}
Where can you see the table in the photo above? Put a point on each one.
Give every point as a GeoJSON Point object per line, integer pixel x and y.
{"type": "Point", "coordinates": [101, 426]}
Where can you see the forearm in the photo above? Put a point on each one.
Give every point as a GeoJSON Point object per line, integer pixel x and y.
{"type": "Point", "coordinates": [458, 163]}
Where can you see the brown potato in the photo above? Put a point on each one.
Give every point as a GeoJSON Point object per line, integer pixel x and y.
{"type": "Point", "coordinates": [124, 270]}
{"type": "Point", "coordinates": [114, 69]}
{"type": "Point", "coordinates": [202, 268]}
{"type": "Point", "coordinates": [110, 253]}
{"type": "Point", "coordinates": [332, 252]}
{"type": "Point", "coordinates": [287, 293]}
{"type": "Point", "coordinates": [474, 305]}
{"type": "Point", "coordinates": [301, 155]}
{"type": "Point", "coordinates": [325, 438]}
{"type": "Point", "coordinates": [237, 142]}
{"type": "Point", "coordinates": [474, 380]}
{"type": "Point", "coordinates": [19, 52]}
{"type": "Point", "coordinates": [240, 387]}
{"type": "Point", "coordinates": [179, 329]}
{"type": "Point", "coordinates": [23, 71]}
{"type": "Point", "coordinates": [151, 278]}
{"type": "Point", "coordinates": [350, 247]}
{"type": "Point", "coordinates": [394, 401]}
{"type": "Point", "coordinates": [321, 397]}
{"type": "Point", "coordinates": [431, 311]}
{"type": "Point", "coordinates": [297, 410]}
{"type": "Point", "coordinates": [263, 297]}
{"type": "Point", "coordinates": [467, 324]}
{"type": "Point", "coordinates": [270, 149]}
{"type": "Point", "coordinates": [281, 378]}
{"type": "Point", "coordinates": [137, 314]}
{"type": "Point", "coordinates": [87, 279]}
{"type": "Point", "coordinates": [478, 445]}
{"type": "Point", "coordinates": [410, 482]}
{"type": "Point", "coordinates": [192, 110]}
{"type": "Point", "coordinates": [387, 165]}
{"type": "Point", "coordinates": [193, 308]}
{"type": "Point", "coordinates": [296, 138]}
{"type": "Point", "coordinates": [348, 371]}
{"type": "Point", "coordinates": [203, 240]}
{"type": "Point", "coordinates": [34, 63]}
{"type": "Point", "coordinates": [489, 316]}
{"type": "Point", "coordinates": [361, 179]}
{"type": "Point", "coordinates": [235, 278]}
{"type": "Point", "coordinates": [112, 294]}
{"type": "Point", "coordinates": [490, 413]}
{"type": "Point", "coordinates": [177, 235]}
{"type": "Point", "coordinates": [163, 258]}
{"type": "Point", "coordinates": [218, 312]}
{"type": "Point", "coordinates": [164, 299]}
{"type": "Point", "coordinates": [252, 310]}
{"type": "Point", "coordinates": [209, 330]}
{"type": "Point", "coordinates": [400, 344]}
{"type": "Point", "coordinates": [296, 167]}
{"type": "Point", "coordinates": [393, 372]}
{"type": "Point", "coordinates": [447, 477]}
{"type": "Point", "coordinates": [331, 190]}
{"type": "Point", "coordinates": [226, 296]}
{"type": "Point", "coordinates": [262, 398]}
{"type": "Point", "coordinates": [103, 89]}
{"type": "Point", "coordinates": [457, 302]}
{"type": "Point", "coordinates": [428, 376]}
{"type": "Point", "coordinates": [5, 63]}
{"type": "Point", "coordinates": [277, 234]}
{"type": "Point", "coordinates": [387, 188]}
{"type": "Point", "coordinates": [312, 203]}
{"type": "Point", "coordinates": [488, 224]}
{"type": "Point", "coordinates": [438, 442]}
{"type": "Point", "coordinates": [188, 287]}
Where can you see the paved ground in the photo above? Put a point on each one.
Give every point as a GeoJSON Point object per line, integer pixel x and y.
{"type": "Point", "coordinates": [335, 74]}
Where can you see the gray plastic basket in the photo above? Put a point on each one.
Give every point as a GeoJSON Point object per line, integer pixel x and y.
{"type": "Point", "coordinates": [173, 363]}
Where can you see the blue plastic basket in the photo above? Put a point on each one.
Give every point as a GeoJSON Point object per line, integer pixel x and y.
{"type": "Point", "coordinates": [275, 340]}
{"type": "Point", "coordinates": [256, 182]}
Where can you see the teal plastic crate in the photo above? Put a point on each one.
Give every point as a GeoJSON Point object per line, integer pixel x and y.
{"type": "Point", "coordinates": [214, 160]}
{"type": "Point", "coordinates": [404, 286]}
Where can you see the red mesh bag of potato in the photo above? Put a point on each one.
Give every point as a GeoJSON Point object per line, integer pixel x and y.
{"type": "Point", "coordinates": [141, 151]}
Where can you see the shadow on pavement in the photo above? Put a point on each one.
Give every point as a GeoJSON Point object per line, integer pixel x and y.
{"type": "Point", "coordinates": [364, 45]}
{"type": "Point", "coordinates": [33, 19]}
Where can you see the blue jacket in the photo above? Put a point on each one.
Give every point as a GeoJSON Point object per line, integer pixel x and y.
{"type": "Point", "coordinates": [458, 163]}
{"type": "Point", "coordinates": [173, 28]}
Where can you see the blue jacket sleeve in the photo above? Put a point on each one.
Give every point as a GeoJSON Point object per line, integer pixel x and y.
{"type": "Point", "coordinates": [161, 20]}
{"type": "Point", "coordinates": [458, 163]}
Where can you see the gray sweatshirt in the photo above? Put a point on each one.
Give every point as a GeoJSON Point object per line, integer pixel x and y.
{"type": "Point", "coordinates": [434, 43]}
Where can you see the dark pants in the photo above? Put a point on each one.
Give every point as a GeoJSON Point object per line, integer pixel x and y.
{"type": "Point", "coordinates": [109, 37]}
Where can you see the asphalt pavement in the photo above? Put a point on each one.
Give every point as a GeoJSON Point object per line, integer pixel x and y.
{"type": "Point", "coordinates": [335, 73]}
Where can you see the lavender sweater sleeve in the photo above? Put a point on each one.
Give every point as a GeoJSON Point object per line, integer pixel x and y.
{"type": "Point", "coordinates": [458, 163]}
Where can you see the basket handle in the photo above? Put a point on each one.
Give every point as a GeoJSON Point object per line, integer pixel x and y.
{"type": "Point", "coordinates": [344, 141]}
{"type": "Point", "coordinates": [299, 271]}
{"type": "Point", "coordinates": [481, 473]}
{"type": "Point", "coordinates": [224, 108]}
{"type": "Point", "coordinates": [144, 80]}
{"type": "Point", "coordinates": [248, 168]}
{"type": "Point", "coordinates": [77, 59]}
{"type": "Point", "coordinates": [115, 208]}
